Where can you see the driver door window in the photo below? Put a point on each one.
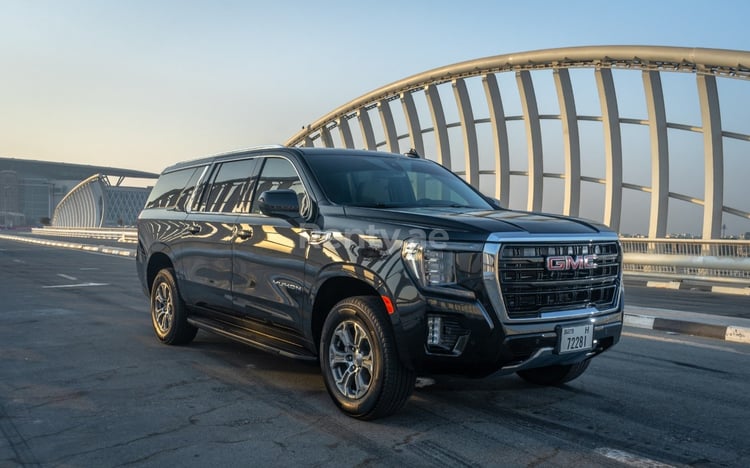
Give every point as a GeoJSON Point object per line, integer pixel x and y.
{"type": "Point", "coordinates": [278, 174]}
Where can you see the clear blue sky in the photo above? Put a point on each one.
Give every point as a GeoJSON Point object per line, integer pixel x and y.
{"type": "Point", "coordinates": [143, 84]}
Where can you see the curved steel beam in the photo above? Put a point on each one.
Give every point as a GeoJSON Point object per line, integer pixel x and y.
{"type": "Point", "coordinates": [571, 144]}
{"type": "Point", "coordinates": [657, 124]}
{"type": "Point", "coordinates": [731, 63]}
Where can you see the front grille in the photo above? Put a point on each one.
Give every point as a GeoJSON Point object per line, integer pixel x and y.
{"type": "Point", "coordinates": [530, 289]}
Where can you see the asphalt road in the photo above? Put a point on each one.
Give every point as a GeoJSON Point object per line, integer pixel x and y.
{"type": "Point", "coordinates": [84, 383]}
{"type": "Point", "coordinates": [695, 298]}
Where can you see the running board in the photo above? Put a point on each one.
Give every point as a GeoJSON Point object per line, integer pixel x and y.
{"type": "Point", "coordinates": [250, 337]}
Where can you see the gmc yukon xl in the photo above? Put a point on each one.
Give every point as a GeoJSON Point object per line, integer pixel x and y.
{"type": "Point", "coordinates": [380, 266]}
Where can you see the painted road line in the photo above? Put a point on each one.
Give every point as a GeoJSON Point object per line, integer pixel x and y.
{"type": "Point", "coordinates": [81, 285]}
{"type": "Point", "coordinates": [630, 459]}
{"type": "Point", "coordinates": [731, 290]}
{"type": "Point", "coordinates": [664, 284]}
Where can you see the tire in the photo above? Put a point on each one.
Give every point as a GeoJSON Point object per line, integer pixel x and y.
{"type": "Point", "coordinates": [554, 375]}
{"type": "Point", "coordinates": [359, 360]}
{"type": "Point", "coordinates": [168, 312]}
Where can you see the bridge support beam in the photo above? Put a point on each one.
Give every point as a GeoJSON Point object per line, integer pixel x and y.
{"type": "Point", "coordinates": [533, 140]}
{"type": "Point", "coordinates": [657, 125]}
{"type": "Point", "coordinates": [612, 148]}
{"type": "Point", "coordinates": [499, 136]}
{"type": "Point", "coordinates": [571, 142]}
{"type": "Point", "coordinates": [713, 149]}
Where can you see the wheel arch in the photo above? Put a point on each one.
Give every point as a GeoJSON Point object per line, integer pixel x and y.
{"type": "Point", "coordinates": [337, 284]}
{"type": "Point", "coordinates": [156, 262]}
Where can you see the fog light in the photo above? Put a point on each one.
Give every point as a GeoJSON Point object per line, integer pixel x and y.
{"type": "Point", "coordinates": [434, 329]}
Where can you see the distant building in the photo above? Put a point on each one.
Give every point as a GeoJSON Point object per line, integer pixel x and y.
{"type": "Point", "coordinates": [31, 193]}
{"type": "Point", "coordinates": [10, 200]}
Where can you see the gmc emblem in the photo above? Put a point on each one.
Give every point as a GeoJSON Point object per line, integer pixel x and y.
{"type": "Point", "coordinates": [567, 262]}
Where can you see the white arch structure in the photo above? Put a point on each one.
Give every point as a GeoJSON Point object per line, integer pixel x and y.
{"type": "Point", "coordinates": [95, 203]}
{"type": "Point", "coordinates": [650, 61]}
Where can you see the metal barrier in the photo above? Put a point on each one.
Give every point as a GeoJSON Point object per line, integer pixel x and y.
{"type": "Point", "coordinates": [127, 235]}
{"type": "Point", "coordinates": [714, 260]}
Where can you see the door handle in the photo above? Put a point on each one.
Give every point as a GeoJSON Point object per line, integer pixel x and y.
{"type": "Point", "coordinates": [194, 229]}
{"type": "Point", "coordinates": [245, 234]}
{"type": "Point", "coordinates": [320, 237]}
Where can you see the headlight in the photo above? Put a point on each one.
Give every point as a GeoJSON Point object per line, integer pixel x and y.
{"type": "Point", "coordinates": [432, 267]}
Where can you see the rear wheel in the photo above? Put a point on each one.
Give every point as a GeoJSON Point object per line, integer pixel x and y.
{"type": "Point", "coordinates": [168, 312]}
{"type": "Point", "coordinates": [360, 364]}
{"type": "Point", "coordinates": [554, 375]}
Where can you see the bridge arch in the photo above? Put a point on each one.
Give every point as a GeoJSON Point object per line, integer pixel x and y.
{"type": "Point", "coordinates": [379, 116]}
{"type": "Point", "coordinates": [95, 203]}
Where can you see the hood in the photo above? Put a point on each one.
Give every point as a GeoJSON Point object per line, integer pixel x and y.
{"type": "Point", "coordinates": [460, 220]}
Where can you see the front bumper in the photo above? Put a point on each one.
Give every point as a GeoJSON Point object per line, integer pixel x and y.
{"type": "Point", "coordinates": [476, 343]}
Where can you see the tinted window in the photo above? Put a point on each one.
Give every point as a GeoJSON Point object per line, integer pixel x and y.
{"type": "Point", "coordinates": [188, 190]}
{"type": "Point", "coordinates": [231, 188]}
{"type": "Point", "coordinates": [392, 182]}
{"type": "Point", "coordinates": [277, 174]}
{"type": "Point", "coordinates": [168, 188]}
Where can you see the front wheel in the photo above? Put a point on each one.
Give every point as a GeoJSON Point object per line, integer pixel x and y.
{"type": "Point", "coordinates": [359, 360]}
{"type": "Point", "coordinates": [554, 375]}
{"type": "Point", "coordinates": [168, 311]}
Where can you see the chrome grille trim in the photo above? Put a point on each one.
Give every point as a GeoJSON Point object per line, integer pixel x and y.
{"type": "Point", "coordinates": [544, 295]}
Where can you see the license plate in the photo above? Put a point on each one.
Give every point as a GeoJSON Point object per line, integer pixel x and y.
{"type": "Point", "coordinates": [575, 338]}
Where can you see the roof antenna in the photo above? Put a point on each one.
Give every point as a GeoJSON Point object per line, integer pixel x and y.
{"type": "Point", "coordinates": [412, 153]}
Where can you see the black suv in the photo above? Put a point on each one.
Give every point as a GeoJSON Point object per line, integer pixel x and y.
{"type": "Point", "coordinates": [381, 266]}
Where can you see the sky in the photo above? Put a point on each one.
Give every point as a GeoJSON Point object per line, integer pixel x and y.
{"type": "Point", "coordinates": [144, 84]}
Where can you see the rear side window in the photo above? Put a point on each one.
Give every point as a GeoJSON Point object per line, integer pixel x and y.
{"type": "Point", "coordinates": [232, 187]}
{"type": "Point", "coordinates": [166, 192]}
{"type": "Point", "coordinates": [189, 189]}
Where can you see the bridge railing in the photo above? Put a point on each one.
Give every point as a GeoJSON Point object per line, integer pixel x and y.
{"type": "Point", "coordinates": [716, 260]}
{"type": "Point", "coordinates": [128, 235]}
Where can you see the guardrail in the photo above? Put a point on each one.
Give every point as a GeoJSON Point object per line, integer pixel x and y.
{"type": "Point", "coordinates": [127, 235]}
{"type": "Point", "coordinates": [712, 260]}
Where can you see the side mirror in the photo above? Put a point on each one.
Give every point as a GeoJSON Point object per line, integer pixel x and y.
{"type": "Point", "coordinates": [279, 203]}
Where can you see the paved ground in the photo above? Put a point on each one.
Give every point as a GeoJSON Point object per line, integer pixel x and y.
{"type": "Point", "coordinates": [84, 383]}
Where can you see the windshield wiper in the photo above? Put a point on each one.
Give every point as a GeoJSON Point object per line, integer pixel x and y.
{"type": "Point", "coordinates": [439, 204]}
{"type": "Point", "coordinates": [372, 205]}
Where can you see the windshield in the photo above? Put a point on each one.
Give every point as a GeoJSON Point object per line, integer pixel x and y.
{"type": "Point", "coordinates": [390, 182]}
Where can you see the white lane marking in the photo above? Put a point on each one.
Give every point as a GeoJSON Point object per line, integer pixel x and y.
{"type": "Point", "coordinates": [731, 290]}
{"type": "Point", "coordinates": [630, 459]}
{"type": "Point", "coordinates": [67, 277]}
{"type": "Point", "coordinates": [687, 343]}
{"type": "Point", "coordinates": [82, 285]}
{"type": "Point", "coordinates": [664, 284]}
